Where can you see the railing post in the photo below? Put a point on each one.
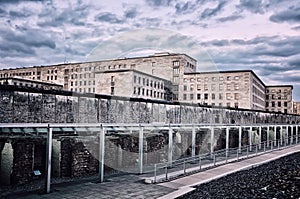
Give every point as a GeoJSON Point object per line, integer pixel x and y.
{"type": "Point", "coordinates": [256, 149]}
{"type": "Point", "coordinates": [264, 146]}
{"type": "Point", "coordinates": [200, 162]}
{"type": "Point", "coordinates": [155, 167]}
{"type": "Point", "coordinates": [141, 148]}
{"type": "Point", "coordinates": [247, 151]}
{"type": "Point", "coordinates": [214, 159]}
{"type": "Point", "coordinates": [48, 159]}
{"type": "Point", "coordinates": [292, 135]}
{"type": "Point", "coordinates": [166, 171]}
{"type": "Point", "coordinates": [281, 135]}
{"type": "Point", "coordinates": [237, 155]}
{"type": "Point", "coordinates": [259, 137]}
{"type": "Point", "coordinates": [272, 145]}
{"type": "Point", "coordinates": [268, 136]}
{"type": "Point", "coordinates": [296, 134]}
{"type": "Point", "coordinates": [275, 136]}
{"type": "Point", "coordinates": [250, 139]}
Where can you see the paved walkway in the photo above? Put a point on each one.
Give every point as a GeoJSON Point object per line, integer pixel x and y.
{"type": "Point", "coordinates": [133, 186]}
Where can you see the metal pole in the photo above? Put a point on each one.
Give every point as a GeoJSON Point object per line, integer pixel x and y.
{"type": "Point", "coordinates": [240, 139]}
{"type": "Point", "coordinates": [250, 139]}
{"type": "Point", "coordinates": [275, 135]}
{"type": "Point", "coordinates": [259, 137]}
{"type": "Point", "coordinates": [247, 151]}
{"type": "Point", "coordinates": [268, 136]}
{"type": "Point", "coordinates": [237, 155]}
{"type": "Point", "coordinates": [170, 146]}
{"type": "Point", "coordinates": [48, 159]}
{"type": "Point", "coordinates": [214, 159]}
{"type": "Point", "coordinates": [212, 141]}
{"type": "Point", "coordinates": [155, 167]}
{"type": "Point", "coordinates": [200, 162]}
{"type": "Point", "coordinates": [166, 171]}
{"type": "Point", "coordinates": [296, 134]}
{"type": "Point", "coordinates": [193, 142]}
{"type": "Point", "coordinates": [256, 149]}
{"type": "Point", "coordinates": [292, 135]}
{"type": "Point", "coordinates": [141, 148]}
{"type": "Point", "coordinates": [281, 135]}
{"type": "Point", "coordinates": [227, 141]}
{"type": "Point", "coordinates": [101, 153]}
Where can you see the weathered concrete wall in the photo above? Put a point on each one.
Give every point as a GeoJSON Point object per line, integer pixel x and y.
{"type": "Point", "coordinates": [6, 163]}
{"type": "Point", "coordinates": [21, 106]}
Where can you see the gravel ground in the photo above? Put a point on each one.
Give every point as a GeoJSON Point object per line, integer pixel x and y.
{"type": "Point", "coordinates": [277, 179]}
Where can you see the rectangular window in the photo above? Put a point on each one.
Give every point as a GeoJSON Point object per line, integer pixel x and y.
{"type": "Point", "coordinates": [134, 79]}
{"type": "Point", "coordinates": [205, 96]}
{"type": "Point", "coordinates": [198, 96]}
{"type": "Point", "coordinates": [184, 96]}
{"type": "Point", "coordinates": [285, 104]}
{"type": "Point", "coordinates": [198, 87]}
{"type": "Point", "coordinates": [184, 88]}
{"type": "Point", "coordinates": [192, 87]}
{"type": "Point", "coordinates": [191, 96]}
{"type": "Point", "coordinates": [228, 96]}
{"type": "Point", "coordinates": [279, 104]}
{"type": "Point", "coordinates": [213, 96]}
{"type": "Point", "coordinates": [236, 96]}
{"type": "Point", "coordinates": [220, 96]}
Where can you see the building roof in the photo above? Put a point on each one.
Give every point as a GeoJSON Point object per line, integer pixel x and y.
{"type": "Point", "coordinates": [228, 71]}
{"type": "Point", "coordinates": [290, 86]}
{"type": "Point", "coordinates": [30, 80]}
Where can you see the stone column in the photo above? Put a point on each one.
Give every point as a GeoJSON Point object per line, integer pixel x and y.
{"type": "Point", "coordinates": [6, 163]}
{"type": "Point", "coordinates": [281, 135]}
{"type": "Point", "coordinates": [170, 145]}
{"type": "Point", "coordinates": [193, 142]}
{"type": "Point", "coordinates": [259, 137]}
{"type": "Point", "coordinates": [250, 139]}
{"type": "Point", "coordinates": [227, 141]}
{"type": "Point", "coordinates": [212, 140]}
{"type": "Point", "coordinates": [240, 139]}
{"type": "Point", "coordinates": [268, 136]}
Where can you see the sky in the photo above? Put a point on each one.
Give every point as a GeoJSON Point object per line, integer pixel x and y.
{"type": "Point", "coordinates": [258, 35]}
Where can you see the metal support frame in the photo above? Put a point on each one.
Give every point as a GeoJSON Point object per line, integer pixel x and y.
{"type": "Point", "coordinates": [292, 134]}
{"type": "Point", "coordinates": [259, 137]}
{"type": "Point", "coordinates": [268, 136]}
{"type": "Point", "coordinates": [170, 145]}
{"type": "Point", "coordinates": [275, 135]}
{"type": "Point", "coordinates": [281, 135]}
{"type": "Point", "coordinates": [101, 153]}
{"type": "Point", "coordinates": [193, 141]}
{"type": "Point", "coordinates": [212, 141]}
{"type": "Point", "coordinates": [48, 160]}
{"type": "Point", "coordinates": [227, 141]}
{"type": "Point", "coordinates": [141, 149]}
{"type": "Point", "coordinates": [240, 139]}
{"type": "Point", "coordinates": [250, 139]}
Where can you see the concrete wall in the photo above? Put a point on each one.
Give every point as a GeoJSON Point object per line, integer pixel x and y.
{"type": "Point", "coordinates": [29, 107]}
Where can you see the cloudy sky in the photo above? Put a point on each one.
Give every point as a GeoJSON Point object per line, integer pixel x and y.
{"type": "Point", "coordinates": [262, 35]}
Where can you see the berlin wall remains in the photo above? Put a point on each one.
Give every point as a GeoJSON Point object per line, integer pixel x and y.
{"type": "Point", "coordinates": [75, 156]}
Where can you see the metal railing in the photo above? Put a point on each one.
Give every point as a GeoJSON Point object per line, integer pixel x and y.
{"type": "Point", "coordinates": [170, 170]}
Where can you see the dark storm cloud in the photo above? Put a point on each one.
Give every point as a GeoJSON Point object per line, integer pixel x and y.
{"type": "Point", "coordinates": [209, 12]}
{"type": "Point", "coordinates": [254, 6]}
{"type": "Point", "coordinates": [158, 3]}
{"type": "Point", "coordinates": [230, 18]}
{"type": "Point", "coordinates": [131, 13]}
{"type": "Point", "coordinates": [31, 38]}
{"type": "Point", "coordinates": [18, 14]}
{"type": "Point", "coordinates": [108, 17]}
{"type": "Point", "coordinates": [17, 1]}
{"type": "Point", "coordinates": [183, 8]}
{"type": "Point", "coordinates": [292, 14]}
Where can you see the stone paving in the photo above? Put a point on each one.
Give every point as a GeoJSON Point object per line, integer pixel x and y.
{"type": "Point", "coordinates": [128, 186]}
{"type": "Point", "coordinates": [133, 186]}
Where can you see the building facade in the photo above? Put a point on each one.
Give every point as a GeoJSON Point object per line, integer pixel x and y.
{"type": "Point", "coordinates": [296, 108]}
{"type": "Point", "coordinates": [279, 98]}
{"type": "Point", "coordinates": [239, 89]}
{"type": "Point", "coordinates": [22, 82]}
{"type": "Point", "coordinates": [163, 76]}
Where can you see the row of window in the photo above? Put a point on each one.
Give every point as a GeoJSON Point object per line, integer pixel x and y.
{"type": "Point", "coordinates": [147, 92]}
{"type": "Point", "coordinates": [147, 82]}
{"type": "Point", "coordinates": [84, 90]}
{"type": "Point", "coordinates": [278, 110]}
{"type": "Point", "coordinates": [277, 91]}
{"type": "Point", "coordinates": [278, 97]}
{"type": "Point", "coordinates": [213, 96]}
{"type": "Point", "coordinates": [279, 104]}
{"type": "Point", "coordinates": [213, 87]}
{"type": "Point", "coordinates": [85, 75]}
{"type": "Point", "coordinates": [82, 83]}
{"type": "Point", "coordinates": [19, 74]}
{"type": "Point", "coordinates": [206, 79]}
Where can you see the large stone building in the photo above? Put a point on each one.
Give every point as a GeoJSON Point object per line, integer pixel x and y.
{"type": "Point", "coordinates": [240, 89]}
{"type": "Point", "coordinates": [279, 98]}
{"type": "Point", "coordinates": [163, 76]}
